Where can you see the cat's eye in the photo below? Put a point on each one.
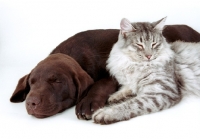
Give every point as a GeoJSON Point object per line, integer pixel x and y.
{"type": "Point", "coordinates": [153, 45]}
{"type": "Point", "coordinates": [140, 45]}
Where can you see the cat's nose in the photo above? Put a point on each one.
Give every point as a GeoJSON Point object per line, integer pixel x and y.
{"type": "Point", "coordinates": [148, 56]}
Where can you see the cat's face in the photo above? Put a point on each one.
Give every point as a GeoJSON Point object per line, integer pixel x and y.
{"type": "Point", "coordinates": [143, 49]}
{"type": "Point", "coordinates": [143, 41]}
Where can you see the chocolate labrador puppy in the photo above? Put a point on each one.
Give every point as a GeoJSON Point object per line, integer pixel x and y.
{"type": "Point", "coordinates": [58, 82]}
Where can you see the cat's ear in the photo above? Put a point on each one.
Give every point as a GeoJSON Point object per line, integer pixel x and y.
{"type": "Point", "coordinates": [126, 26]}
{"type": "Point", "coordinates": [159, 25]}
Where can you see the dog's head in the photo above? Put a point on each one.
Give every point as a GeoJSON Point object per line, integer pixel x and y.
{"type": "Point", "coordinates": [54, 85]}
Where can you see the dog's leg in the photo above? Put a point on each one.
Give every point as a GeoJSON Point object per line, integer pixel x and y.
{"type": "Point", "coordinates": [96, 98]}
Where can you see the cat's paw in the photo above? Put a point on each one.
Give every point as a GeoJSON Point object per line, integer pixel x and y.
{"type": "Point", "coordinates": [105, 116]}
{"type": "Point", "coordinates": [115, 98]}
{"type": "Point", "coordinates": [120, 96]}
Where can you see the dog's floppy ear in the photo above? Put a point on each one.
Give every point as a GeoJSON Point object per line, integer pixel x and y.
{"type": "Point", "coordinates": [83, 81]}
{"type": "Point", "coordinates": [21, 90]}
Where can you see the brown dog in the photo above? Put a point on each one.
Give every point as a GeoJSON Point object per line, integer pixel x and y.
{"type": "Point", "coordinates": [54, 85]}
{"type": "Point", "coordinates": [90, 49]}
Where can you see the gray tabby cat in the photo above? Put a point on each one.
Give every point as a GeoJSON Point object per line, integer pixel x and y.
{"type": "Point", "coordinates": [144, 65]}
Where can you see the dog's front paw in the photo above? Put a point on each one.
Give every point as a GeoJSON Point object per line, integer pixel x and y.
{"type": "Point", "coordinates": [87, 106]}
{"type": "Point", "coordinates": [104, 116]}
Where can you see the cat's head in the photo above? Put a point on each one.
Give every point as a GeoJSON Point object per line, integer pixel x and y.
{"type": "Point", "coordinates": [142, 40]}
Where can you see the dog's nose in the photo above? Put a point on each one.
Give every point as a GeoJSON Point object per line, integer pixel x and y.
{"type": "Point", "coordinates": [32, 102]}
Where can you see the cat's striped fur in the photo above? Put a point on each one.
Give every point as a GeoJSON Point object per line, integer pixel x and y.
{"type": "Point", "coordinates": [151, 75]}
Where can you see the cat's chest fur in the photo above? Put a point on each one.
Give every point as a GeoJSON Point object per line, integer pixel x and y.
{"type": "Point", "coordinates": [129, 71]}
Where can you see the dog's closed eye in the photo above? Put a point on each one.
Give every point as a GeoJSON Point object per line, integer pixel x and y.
{"type": "Point", "coordinates": [32, 81]}
{"type": "Point", "coordinates": [53, 79]}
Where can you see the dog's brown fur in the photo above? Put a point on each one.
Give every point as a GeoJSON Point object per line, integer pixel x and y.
{"type": "Point", "coordinates": [90, 49]}
{"type": "Point", "coordinates": [55, 84]}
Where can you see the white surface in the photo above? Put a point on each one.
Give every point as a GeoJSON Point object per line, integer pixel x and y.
{"type": "Point", "coordinates": [29, 30]}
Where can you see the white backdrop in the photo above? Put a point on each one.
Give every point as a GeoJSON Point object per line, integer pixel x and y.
{"type": "Point", "coordinates": [30, 30]}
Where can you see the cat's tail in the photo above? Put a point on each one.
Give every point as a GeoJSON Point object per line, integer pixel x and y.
{"type": "Point", "coordinates": [187, 70]}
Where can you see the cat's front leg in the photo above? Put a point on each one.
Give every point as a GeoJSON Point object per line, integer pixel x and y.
{"type": "Point", "coordinates": [123, 93]}
{"type": "Point", "coordinates": [107, 115]}
{"type": "Point", "coordinates": [135, 106]}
